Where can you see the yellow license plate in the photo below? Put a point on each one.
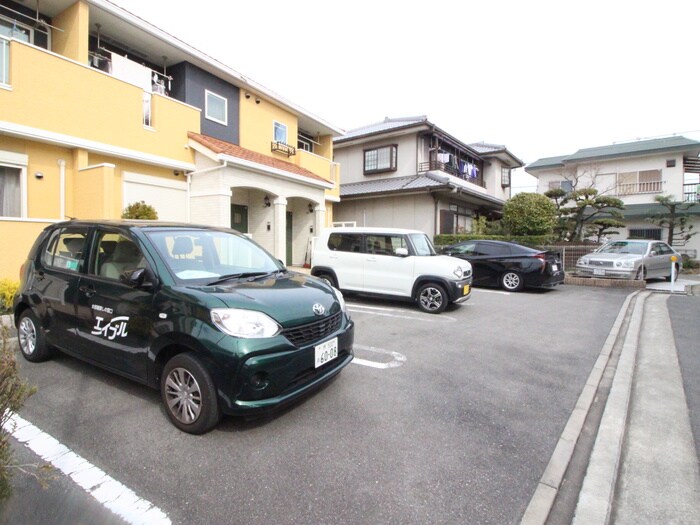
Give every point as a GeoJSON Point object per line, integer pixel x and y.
{"type": "Point", "coordinates": [466, 289]}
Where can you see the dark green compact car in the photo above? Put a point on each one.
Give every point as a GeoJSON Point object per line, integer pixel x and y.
{"type": "Point", "coordinates": [203, 314]}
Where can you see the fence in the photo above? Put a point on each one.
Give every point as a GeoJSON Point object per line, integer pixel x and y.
{"type": "Point", "coordinates": [571, 253]}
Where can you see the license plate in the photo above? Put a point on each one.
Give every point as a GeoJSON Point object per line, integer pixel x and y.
{"type": "Point", "coordinates": [466, 290]}
{"type": "Point", "coordinates": [555, 268]}
{"type": "Point", "coordinates": [325, 352]}
{"type": "Point", "coordinates": [597, 271]}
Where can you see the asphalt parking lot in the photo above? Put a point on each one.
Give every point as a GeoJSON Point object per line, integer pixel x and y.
{"type": "Point", "coordinates": [447, 418]}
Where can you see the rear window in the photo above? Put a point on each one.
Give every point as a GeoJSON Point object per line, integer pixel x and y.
{"type": "Point", "coordinates": [345, 242]}
{"type": "Point", "coordinates": [65, 250]}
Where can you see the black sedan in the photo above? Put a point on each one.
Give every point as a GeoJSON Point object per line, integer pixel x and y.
{"type": "Point", "coordinates": [509, 265]}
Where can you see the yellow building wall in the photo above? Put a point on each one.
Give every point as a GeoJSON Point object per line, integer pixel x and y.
{"type": "Point", "coordinates": [72, 41]}
{"type": "Point", "coordinates": [257, 128]}
{"type": "Point", "coordinates": [20, 236]}
{"type": "Point", "coordinates": [54, 94]}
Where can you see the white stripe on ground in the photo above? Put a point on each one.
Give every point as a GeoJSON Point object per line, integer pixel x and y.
{"type": "Point", "coordinates": [398, 359]}
{"type": "Point", "coordinates": [106, 490]}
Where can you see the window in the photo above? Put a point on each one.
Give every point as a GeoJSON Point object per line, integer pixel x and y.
{"type": "Point", "coordinates": [385, 244]}
{"type": "Point", "coordinates": [279, 132]}
{"type": "Point", "coordinates": [305, 142]}
{"type": "Point", "coordinates": [505, 177]}
{"type": "Point", "coordinates": [10, 192]}
{"type": "Point", "coordinates": [646, 181]}
{"type": "Point", "coordinates": [380, 159]}
{"type": "Point", "coordinates": [65, 250]}
{"type": "Point", "coordinates": [345, 242]}
{"type": "Point", "coordinates": [147, 109]}
{"type": "Point", "coordinates": [565, 185]}
{"type": "Point", "coordinates": [117, 254]}
{"type": "Point", "coordinates": [653, 234]}
{"type": "Point", "coordinates": [216, 108]}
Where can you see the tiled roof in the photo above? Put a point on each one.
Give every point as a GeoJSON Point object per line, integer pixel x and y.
{"type": "Point", "coordinates": [626, 149]}
{"type": "Point", "coordinates": [390, 184]}
{"type": "Point", "coordinates": [387, 124]}
{"type": "Point", "coordinates": [221, 147]}
{"type": "Point", "coordinates": [484, 147]}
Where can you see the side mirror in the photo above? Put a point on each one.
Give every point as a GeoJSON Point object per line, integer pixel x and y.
{"type": "Point", "coordinates": [401, 252]}
{"type": "Point", "coordinates": [653, 253]}
{"type": "Point", "coordinates": [139, 278]}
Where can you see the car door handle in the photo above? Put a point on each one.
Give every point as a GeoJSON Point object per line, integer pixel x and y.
{"type": "Point", "coordinates": [89, 291]}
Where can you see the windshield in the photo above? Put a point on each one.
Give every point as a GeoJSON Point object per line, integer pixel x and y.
{"type": "Point", "coordinates": [422, 244]}
{"type": "Point", "coordinates": [208, 255]}
{"type": "Point", "coordinates": [637, 248]}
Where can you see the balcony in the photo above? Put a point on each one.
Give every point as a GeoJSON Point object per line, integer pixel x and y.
{"type": "Point", "coordinates": [448, 168]}
{"type": "Point", "coordinates": [283, 148]}
{"type": "Point", "coordinates": [636, 188]}
{"type": "Point", "coordinates": [691, 192]}
{"type": "Point", "coordinates": [64, 98]}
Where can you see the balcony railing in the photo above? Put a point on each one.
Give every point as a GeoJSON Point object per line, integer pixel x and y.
{"type": "Point", "coordinates": [447, 168]}
{"type": "Point", "coordinates": [4, 61]}
{"type": "Point", "coordinates": [634, 188]}
{"type": "Point", "coordinates": [691, 192]}
{"type": "Point", "coordinates": [283, 148]}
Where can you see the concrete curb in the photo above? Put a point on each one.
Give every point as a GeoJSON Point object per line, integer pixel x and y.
{"type": "Point", "coordinates": [603, 283]}
{"type": "Point", "coordinates": [543, 499]}
{"type": "Point", "coordinates": [598, 490]}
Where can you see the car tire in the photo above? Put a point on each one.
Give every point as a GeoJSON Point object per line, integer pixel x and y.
{"type": "Point", "coordinates": [512, 281]}
{"type": "Point", "coordinates": [328, 278]}
{"type": "Point", "coordinates": [189, 395]}
{"type": "Point", "coordinates": [641, 274]}
{"type": "Point", "coordinates": [670, 277]}
{"type": "Point", "coordinates": [432, 298]}
{"type": "Point", "coordinates": [32, 341]}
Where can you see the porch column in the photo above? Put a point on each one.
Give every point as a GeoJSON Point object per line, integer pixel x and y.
{"type": "Point", "coordinates": [319, 219]}
{"type": "Point", "coordinates": [279, 248]}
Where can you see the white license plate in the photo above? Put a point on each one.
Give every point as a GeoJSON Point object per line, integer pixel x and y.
{"type": "Point", "coordinates": [325, 352]}
{"type": "Point", "coordinates": [555, 268]}
{"type": "Point", "coordinates": [598, 271]}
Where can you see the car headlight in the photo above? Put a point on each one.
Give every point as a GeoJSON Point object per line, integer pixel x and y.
{"type": "Point", "coordinates": [624, 264]}
{"type": "Point", "coordinates": [340, 298]}
{"type": "Point", "coordinates": [248, 324]}
{"type": "Point", "coordinates": [583, 261]}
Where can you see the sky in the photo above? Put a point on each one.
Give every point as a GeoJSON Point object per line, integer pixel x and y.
{"type": "Point", "coordinates": [544, 78]}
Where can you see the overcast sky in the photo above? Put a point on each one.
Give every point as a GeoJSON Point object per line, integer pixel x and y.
{"type": "Point", "coordinates": [544, 78]}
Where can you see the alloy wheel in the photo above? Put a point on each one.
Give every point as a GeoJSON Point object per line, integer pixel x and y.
{"type": "Point", "coordinates": [27, 336]}
{"type": "Point", "coordinates": [184, 396]}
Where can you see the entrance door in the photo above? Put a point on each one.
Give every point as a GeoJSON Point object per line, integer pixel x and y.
{"type": "Point", "coordinates": [290, 238]}
{"type": "Point", "coordinates": [239, 218]}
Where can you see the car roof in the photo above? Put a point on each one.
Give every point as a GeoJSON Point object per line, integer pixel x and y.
{"type": "Point", "coordinates": [136, 224]}
{"type": "Point", "coordinates": [369, 229]}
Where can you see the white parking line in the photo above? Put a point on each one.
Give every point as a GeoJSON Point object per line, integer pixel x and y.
{"type": "Point", "coordinates": [482, 290]}
{"type": "Point", "coordinates": [398, 359]}
{"type": "Point", "coordinates": [109, 492]}
{"type": "Point", "coordinates": [386, 312]}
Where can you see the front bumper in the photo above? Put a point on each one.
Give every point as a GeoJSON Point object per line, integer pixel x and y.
{"type": "Point", "coordinates": [460, 291]}
{"type": "Point", "coordinates": [610, 273]}
{"type": "Point", "coordinates": [267, 381]}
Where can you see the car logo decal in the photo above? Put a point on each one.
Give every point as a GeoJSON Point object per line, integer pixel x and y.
{"type": "Point", "coordinates": [319, 309]}
{"type": "Point", "coordinates": [116, 327]}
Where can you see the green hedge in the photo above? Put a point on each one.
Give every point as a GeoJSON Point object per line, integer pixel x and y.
{"type": "Point", "coordinates": [527, 240]}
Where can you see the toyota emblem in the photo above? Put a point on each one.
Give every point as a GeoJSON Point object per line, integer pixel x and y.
{"type": "Point", "coordinates": [319, 309]}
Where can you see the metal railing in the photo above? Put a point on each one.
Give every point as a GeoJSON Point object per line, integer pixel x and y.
{"type": "Point", "coordinates": [691, 192]}
{"type": "Point", "coordinates": [452, 170]}
{"type": "Point", "coordinates": [571, 254]}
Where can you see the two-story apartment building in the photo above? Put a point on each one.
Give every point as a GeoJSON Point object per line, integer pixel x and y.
{"type": "Point", "coordinates": [100, 109]}
{"type": "Point", "coordinates": [634, 172]}
{"type": "Point", "coordinates": [407, 172]}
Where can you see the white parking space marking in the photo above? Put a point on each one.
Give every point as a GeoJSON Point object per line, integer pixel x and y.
{"type": "Point", "coordinates": [397, 313]}
{"type": "Point", "coordinates": [398, 359]}
{"type": "Point", "coordinates": [109, 492]}
{"type": "Point", "coordinates": [482, 290]}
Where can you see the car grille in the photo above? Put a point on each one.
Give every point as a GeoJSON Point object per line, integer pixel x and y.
{"type": "Point", "coordinates": [608, 264]}
{"type": "Point", "coordinates": [308, 333]}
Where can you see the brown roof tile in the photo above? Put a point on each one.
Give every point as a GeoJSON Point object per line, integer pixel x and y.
{"type": "Point", "coordinates": [226, 148]}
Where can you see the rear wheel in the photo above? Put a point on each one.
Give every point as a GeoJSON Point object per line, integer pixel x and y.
{"type": "Point", "coordinates": [189, 395]}
{"type": "Point", "coordinates": [432, 298]}
{"type": "Point", "coordinates": [328, 278]}
{"type": "Point", "coordinates": [32, 341]}
{"type": "Point", "coordinates": [512, 281]}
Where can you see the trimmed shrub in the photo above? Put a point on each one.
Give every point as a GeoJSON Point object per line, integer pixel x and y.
{"type": "Point", "coordinates": [529, 214]}
{"type": "Point", "coordinates": [140, 210]}
{"type": "Point", "coordinates": [8, 289]}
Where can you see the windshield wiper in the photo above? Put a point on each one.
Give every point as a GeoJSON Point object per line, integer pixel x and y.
{"type": "Point", "coordinates": [231, 276]}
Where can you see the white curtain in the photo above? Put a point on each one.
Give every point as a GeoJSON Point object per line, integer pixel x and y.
{"type": "Point", "coordinates": [9, 192]}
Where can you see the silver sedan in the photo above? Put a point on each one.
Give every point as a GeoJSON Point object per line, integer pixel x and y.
{"type": "Point", "coordinates": [630, 259]}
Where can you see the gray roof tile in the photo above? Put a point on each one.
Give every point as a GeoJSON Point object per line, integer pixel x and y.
{"type": "Point", "coordinates": [387, 124]}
